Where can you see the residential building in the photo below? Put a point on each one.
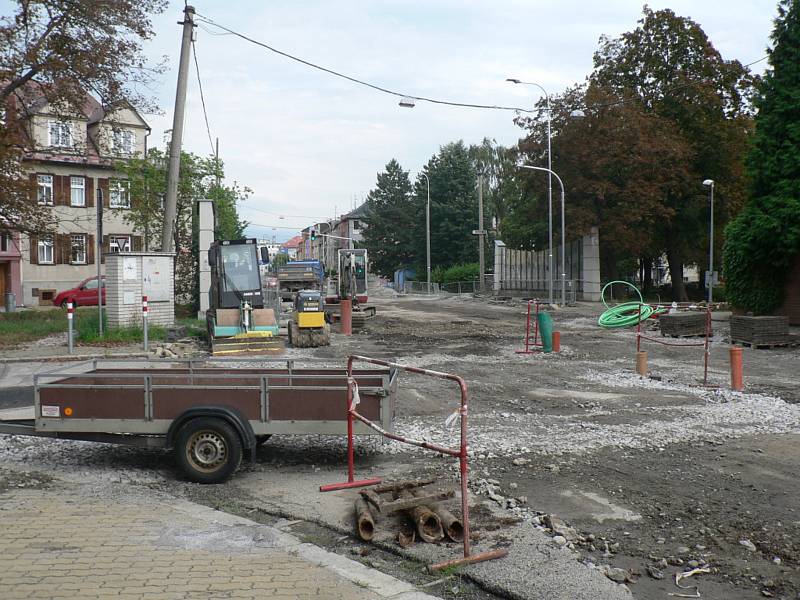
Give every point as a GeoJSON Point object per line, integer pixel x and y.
{"type": "Point", "coordinates": [70, 159]}
{"type": "Point", "coordinates": [291, 247]}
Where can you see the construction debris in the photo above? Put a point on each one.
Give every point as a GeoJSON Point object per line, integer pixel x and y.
{"type": "Point", "coordinates": [429, 527]}
{"type": "Point", "coordinates": [365, 524]}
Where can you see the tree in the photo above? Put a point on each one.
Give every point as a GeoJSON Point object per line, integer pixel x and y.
{"type": "Point", "coordinates": [669, 66]}
{"type": "Point", "coordinates": [393, 217]}
{"type": "Point", "coordinates": [200, 177]}
{"type": "Point", "coordinates": [454, 208]}
{"type": "Point", "coordinates": [59, 50]}
{"type": "Point", "coordinates": [763, 241]}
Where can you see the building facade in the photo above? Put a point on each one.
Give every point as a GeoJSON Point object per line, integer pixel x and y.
{"type": "Point", "coordinates": [70, 161]}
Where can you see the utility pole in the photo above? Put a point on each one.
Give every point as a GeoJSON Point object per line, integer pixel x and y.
{"type": "Point", "coordinates": [98, 257]}
{"type": "Point", "coordinates": [481, 233]}
{"type": "Point", "coordinates": [216, 160]}
{"type": "Point", "coordinates": [170, 208]}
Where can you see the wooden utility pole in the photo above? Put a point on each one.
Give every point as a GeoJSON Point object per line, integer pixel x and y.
{"type": "Point", "coordinates": [173, 174]}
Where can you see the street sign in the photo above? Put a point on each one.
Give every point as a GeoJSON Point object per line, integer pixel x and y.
{"type": "Point", "coordinates": [478, 232]}
{"type": "Point", "coordinates": [714, 277]}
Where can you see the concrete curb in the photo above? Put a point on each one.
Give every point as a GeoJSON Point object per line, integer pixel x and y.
{"type": "Point", "coordinates": [377, 582]}
{"type": "Point", "coordinates": [72, 357]}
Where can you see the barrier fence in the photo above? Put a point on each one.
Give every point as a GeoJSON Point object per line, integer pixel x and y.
{"type": "Point", "coordinates": [461, 453]}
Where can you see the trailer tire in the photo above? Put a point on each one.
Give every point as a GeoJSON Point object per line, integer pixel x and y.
{"type": "Point", "coordinates": [208, 450]}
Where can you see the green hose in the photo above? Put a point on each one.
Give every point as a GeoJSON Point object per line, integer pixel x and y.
{"type": "Point", "coordinates": [626, 314]}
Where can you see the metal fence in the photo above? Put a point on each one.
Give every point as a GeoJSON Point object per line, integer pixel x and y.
{"type": "Point", "coordinates": [420, 287]}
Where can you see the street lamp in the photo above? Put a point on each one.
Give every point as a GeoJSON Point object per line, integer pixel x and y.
{"type": "Point", "coordinates": [709, 183]}
{"type": "Point", "coordinates": [428, 231]}
{"type": "Point", "coordinates": [563, 233]}
{"type": "Point", "coordinates": [549, 184]}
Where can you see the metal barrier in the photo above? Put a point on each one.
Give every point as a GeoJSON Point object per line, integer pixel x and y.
{"type": "Point", "coordinates": [461, 453]}
{"type": "Point", "coordinates": [704, 343]}
{"type": "Point", "coordinates": [535, 345]}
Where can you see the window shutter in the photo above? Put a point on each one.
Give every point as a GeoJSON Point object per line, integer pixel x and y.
{"type": "Point", "coordinates": [89, 183]}
{"type": "Point", "coordinates": [136, 243]}
{"type": "Point", "coordinates": [103, 185]}
{"type": "Point", "coordinates": [61, 249]}
{"type": "Point", "coordinates": [34, 188]}
{"type": "Point", "coordinates": [105, 249]}
{"type": "Point", "coordinates": [57, 193]}
{"type": "Point", "coordinates": [90, 249]}
{"type": "Point", "coordinates": [34, 249]}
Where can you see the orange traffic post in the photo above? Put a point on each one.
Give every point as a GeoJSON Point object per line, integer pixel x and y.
{"type": "Point", "coordinates": [347, 317]}
{"type": "Point", "coordinates": [737, 381]}
{"type": "Point", "coordinates": [641, 363]}
{"type": "Point", "coordinates": [556, 341]}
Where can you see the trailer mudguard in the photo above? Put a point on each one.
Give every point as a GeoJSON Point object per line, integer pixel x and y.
{"type": "Point", "coordinates": [227, 413]}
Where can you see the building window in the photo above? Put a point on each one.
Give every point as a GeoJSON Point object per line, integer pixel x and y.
{"type": "Point", "coordinates": [356, 225]}
{"type": "Point", "coordinates": [77, 186]}
{"type": "Point", "coordinates": [119, 243]}
{"type": "Point", "coordinates": [60, 134]}
{"type": "Point", "coordinates": [124, 140]}
{"type": "Point", "coordinates": [119, 194]}
{"type": "Point", "coordinates": [78, 250]}
{"type": "Point", "coordinates": [45, 189]}
{"type": "Point", "coordinates": [5, 242]}
{"type": "Point", "coordinates": [46, 250]}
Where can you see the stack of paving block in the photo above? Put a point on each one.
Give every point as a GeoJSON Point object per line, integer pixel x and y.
{"type": "Point", "coordinates": [683, 324]}
{"type": "Point", "coordinates": [760, 331]}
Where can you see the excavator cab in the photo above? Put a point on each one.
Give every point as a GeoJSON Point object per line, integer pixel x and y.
{"type": "Point", "coordinates": [237, 321]}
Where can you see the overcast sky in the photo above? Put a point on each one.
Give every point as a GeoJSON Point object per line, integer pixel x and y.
{"type": "Point", "coordinates": [309, 144]}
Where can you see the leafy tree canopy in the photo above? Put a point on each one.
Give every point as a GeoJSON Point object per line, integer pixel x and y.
{"type": "Point", "coordinates": [764, 240]}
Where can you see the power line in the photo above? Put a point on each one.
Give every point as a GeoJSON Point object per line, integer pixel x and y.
{"type": "Point", "coordinates": [355, 79]}
{"type": "Point", "coordinates": [282, 215]}
{"type": "Point", "coordinates": [202, 98]}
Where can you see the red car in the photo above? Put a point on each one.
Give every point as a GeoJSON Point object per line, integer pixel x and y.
{"type": "Point", "coordinates": [85, 294]}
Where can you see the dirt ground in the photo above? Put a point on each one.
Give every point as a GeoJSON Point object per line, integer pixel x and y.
{"type": "Point", "coordinates": [657, 476]}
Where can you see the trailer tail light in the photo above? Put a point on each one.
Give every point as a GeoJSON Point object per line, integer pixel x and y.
{"type": "Point", "coordinates": [68, 411]}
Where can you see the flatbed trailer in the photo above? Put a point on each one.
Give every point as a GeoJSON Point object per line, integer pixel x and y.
{"type": "Point", "coordinates": [210, 412]}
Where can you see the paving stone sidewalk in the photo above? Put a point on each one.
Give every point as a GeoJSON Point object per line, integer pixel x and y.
{"type": "Point", "coordinates": [72, 541]}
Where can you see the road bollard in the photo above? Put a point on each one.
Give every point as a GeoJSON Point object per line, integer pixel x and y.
{"type": "Point", "coordinates": [70, 331]}
{"type": "Point", "coordinates": [641, 363]}
{"type": "Point", "coordinates": [737, 381]}
{"type": "Point", "coordinates": [347, 317]}
{"type": "Point", "coordinates": [144, 323]}
{"type": "Point", "coordinates": [556, 341]}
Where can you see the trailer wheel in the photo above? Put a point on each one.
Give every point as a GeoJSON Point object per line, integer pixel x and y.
{"type": "Point", "coordinates": [208, 450]}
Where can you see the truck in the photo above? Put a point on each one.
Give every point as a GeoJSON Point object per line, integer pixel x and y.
{"type": "Point", "coordinates": [209, 412]}
{"type": "Point", "coordinates": [297, 275]}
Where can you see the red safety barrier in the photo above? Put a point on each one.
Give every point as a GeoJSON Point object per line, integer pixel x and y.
{"type": "Point", "coordinates": [461, 453]}
{"type": "Point", "coordinates": [705, 343]}
{"type": "Point", "coordinates": [535, 345]}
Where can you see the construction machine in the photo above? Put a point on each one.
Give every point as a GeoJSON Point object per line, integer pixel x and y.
{"type": "Point", "coordinates": [236, 320]}
{"type": "Point", "coordinates": [353, 274]}
{"type": "Point", "coordinates": [307, 327]}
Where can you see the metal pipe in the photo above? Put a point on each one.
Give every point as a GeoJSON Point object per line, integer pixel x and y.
{"type": "Point", "coordinates": [563, 236]}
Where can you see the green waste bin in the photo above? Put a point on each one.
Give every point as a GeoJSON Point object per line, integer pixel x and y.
{"type": "Point", "coordinates": [546, 330]}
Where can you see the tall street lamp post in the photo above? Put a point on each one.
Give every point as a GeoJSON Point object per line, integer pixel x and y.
{"type": "Point", "coordinates": [549, 186]}
{"type": "Point", "coordinates": [563, 232]}
{"type": "Point", "coordinates": [709, 183]}
{"type": "Point", "coordinates": [428, 231]}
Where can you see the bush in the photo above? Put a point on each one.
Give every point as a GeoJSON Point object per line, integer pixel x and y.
{"type": "Point", "coordinates": [466, 272]}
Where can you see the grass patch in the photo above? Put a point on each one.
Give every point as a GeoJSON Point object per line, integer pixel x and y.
{"type": "Point", "coordinates": [195, 328]}
{"type": "Point", "coordinates": [29, 325]}
{"type": "Point", "coordinates": [86, 326]}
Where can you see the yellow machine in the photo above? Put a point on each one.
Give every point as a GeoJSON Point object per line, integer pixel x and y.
{"type": "Point", "coordinates": [307, 328]}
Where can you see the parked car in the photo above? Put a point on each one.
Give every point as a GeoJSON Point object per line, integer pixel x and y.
{"type": "Point", "coordinates": [84, 294]}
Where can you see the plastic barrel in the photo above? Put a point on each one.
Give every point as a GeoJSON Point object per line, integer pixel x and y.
{"type": "Point", "coordinates": [546, 331]}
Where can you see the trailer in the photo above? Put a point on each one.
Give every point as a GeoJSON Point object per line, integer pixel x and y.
{"type": "Point", "coordinates": [208, 412]}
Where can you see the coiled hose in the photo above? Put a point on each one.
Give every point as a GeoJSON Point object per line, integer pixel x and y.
{"type": "Point", "coordinates": [626, 314]}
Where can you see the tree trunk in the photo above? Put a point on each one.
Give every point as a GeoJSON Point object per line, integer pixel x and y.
{"type": "Point", "coordinates": [675, 261]}
{"type": "Point", "coordinates": [647, 281]}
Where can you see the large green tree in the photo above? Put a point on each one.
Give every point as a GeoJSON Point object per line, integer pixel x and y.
{"type": "Point", "coordinates": [763, 241]}
{"type": "Point", "coordinates": [392, 219]}
{"type": "Point", "coordinates": [671, 68]}
{"type": "Point", "coordinates": [60, 50]}
{"type": "Point", "coordinates": [454, 207]}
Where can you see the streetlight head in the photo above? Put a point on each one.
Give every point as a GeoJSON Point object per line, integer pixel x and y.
{"type": "Point", "coordinates": [512, 80]}
{"type": "Point", "coordinates": [577, 114]}
{"type": "Point", "coordinates": [708, 183]}
{"type": "Point", "coordinates": [407, 102]}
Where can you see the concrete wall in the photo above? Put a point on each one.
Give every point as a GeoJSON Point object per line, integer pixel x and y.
{"type": "Point", "coordinates": [125, 288]}
{"type": "Point", "coordinates": [205, 223]}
